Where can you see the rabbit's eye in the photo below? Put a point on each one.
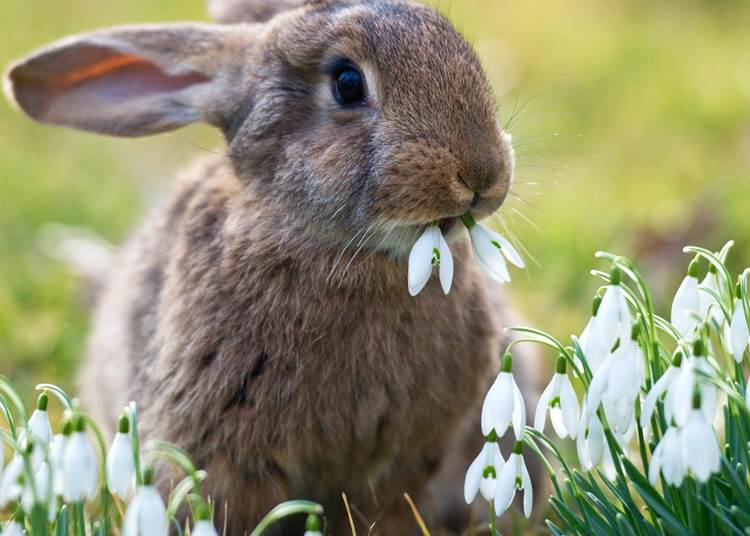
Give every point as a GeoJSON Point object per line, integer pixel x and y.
{"type": "Point", "coordinates": [348, 86]}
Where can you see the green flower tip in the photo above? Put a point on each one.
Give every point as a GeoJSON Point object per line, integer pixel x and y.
{"type": "Point", "coordinates": [562, 365]}
{"type": "Point", "coordinates": [595, 305]}
{"type": "Point", "coordinates": [489, 471]}
{"type": "Point", "coordinates": [123, 426]}
{"type": "Point", "coordinates": [697, 399]}
{"type": "Point", "coordinates": [67, 428]}
{"type": "Point", "coordinates": [699, 349]}
{"type": "Point", "coordinates": [79, 424]}
{"type": "Point", "coordinates": [635, 331]}
{"type": "Point", "coordinates": [738, 289]}
{"type": "Point", "coordinates": [677, 359]}
{"type": "Point", "coordinates": [148, 476]}
{"type": "Point", "coordinates": [506, 364]}
{"type": "Point", "coordinates": [313, 523]}
{"type": "Point", "coordinates": [202, 512]}
{"type": "Point", "coordinates": [42, 401]}
{"type": "Point", "coordinates": [491, 437]}
{"type": "Point", "coordinates": [615, 276]}
{"type": "Point", "coordinates": [468, 220]}
{"type": "Point", "coordinates": [711, 268]}
{"type": "Point", "coordinates": [693, 268]}
{"type": "Point", "coordinates": [518, 447]}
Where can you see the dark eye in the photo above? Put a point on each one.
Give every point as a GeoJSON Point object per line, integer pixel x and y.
{"type": "Point", "coordinates": [348, 86]}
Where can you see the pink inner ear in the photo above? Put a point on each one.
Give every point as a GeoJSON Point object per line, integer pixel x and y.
{"type": "Point", "coordinates": [108, 81]}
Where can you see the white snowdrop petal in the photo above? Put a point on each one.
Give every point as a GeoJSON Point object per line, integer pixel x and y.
{"type": "Point", "coordinates": [420, 262]}
{"type": "Point", "coordinates": [491, 401]}
{"type": "Point", "coordinates": [505, 488]}
{"type": "Point", "coordinates": [542, 406]}
{"type": "Point", "coordinates": [39, 426]}
{"type": "Point", "coordinates": [80, 476]}
{"type": "Point", "coordinates": [738, 331]}
{"type": "Point", "coordinates": [519, 412]}
{"type": "Point", "coordinates": [206, 528]}
{"type": "Point", "coordinates": [503, 409]}
{"type": "Point", "coordinates": [569, 406]}
{"type": "Point", "coordinates": [654, 467]}
{"type": "Point", "coordinates": [700, 446]}
{"type": "Point", "coordinates": [474, 476]}
{"type": "Point", "coordinates": [558, 424]}
{"type": "Point", "coordinates": [490, 259]}
{"type": "Point", "coordinates": [528, 492]}
{"type": "Point", "coordinates": [12, 528]}
{"type": "Point", "coordinates": [120, 465]}
{"type": "Point", "coordinates": [598, 385]}
{"type": "Point", "coordinates": [595, 443]}
{"type": "Point", "coordinates": [685, 306]}
{"type": "Point", "coordinates": [446, 266]}
{"type": "Point", "coordinates": [152, 519]}
{"type": "Point", "coordinates": [506, 247]}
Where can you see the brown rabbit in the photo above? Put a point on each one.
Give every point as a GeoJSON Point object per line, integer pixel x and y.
{"type": "Point", "coordinates": [261, 315]}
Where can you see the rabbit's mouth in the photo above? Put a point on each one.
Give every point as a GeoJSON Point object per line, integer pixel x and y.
{"type": "Point", "coordinates": [447, 224]}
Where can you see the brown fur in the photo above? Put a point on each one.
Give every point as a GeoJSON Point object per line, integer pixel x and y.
{"type": "Point", "coordinates": [261, 316]}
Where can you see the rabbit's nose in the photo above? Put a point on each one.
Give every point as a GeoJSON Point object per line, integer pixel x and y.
{"type": "Point", "coordinates": [481, 173]}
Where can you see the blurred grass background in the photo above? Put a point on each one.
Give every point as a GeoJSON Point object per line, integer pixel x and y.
{"type": "Point", "coordinates": [631, 120]}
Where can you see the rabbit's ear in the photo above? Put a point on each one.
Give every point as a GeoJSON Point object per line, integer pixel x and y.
{"type": "Point", "coordinates": [232, 11]}
{"type": "Point", "coordinates": [132, 80]}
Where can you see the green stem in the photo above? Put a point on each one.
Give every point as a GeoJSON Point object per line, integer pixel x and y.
{"type": "Point", "coordinates": [493, 530]}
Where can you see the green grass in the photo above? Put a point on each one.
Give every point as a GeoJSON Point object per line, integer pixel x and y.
{"type": "Point", "coordinates": [632, 123]}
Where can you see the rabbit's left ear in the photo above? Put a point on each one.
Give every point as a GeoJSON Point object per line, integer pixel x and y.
{"type": "Point", "coordinates": [134, 80]}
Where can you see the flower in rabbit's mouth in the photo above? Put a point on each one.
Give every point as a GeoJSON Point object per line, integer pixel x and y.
{"type": "Point", "coordinates": [431, 249]}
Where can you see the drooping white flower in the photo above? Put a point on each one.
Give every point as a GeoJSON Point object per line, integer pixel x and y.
{"type": "Point", "coordinates": [146, 515]}
{"type": "Point", "coordinates": [614, 317]}
{"type": "Point", "coordinates": [13, 528]}
{"type": "Point", "coordinates": [708, 305]}
{"type": "Point", "coordinates": [684, 387]}
{"type": "Point", "coordinates": [513, 476]}
{"type": "Point", "coordinates": [668, 459]}
{"type": "Point", "coordinates": [503, 405]}
{"type": "Point", "coordinates": [40, 492]}
{"type": "Point", "coordinates": [617, 384]}
{"type": "Point", "coordinates": [205, 527]}
{"type": "Point", "coordinates": [430, 249]}
{"type": "Point", "coordinates": [686, 305]}
{"type": "Point", "coordinates": [120, 464]}
{"type": "Point", "coordinates": [661, 385]}
{"type": "Point", "coordinates": [10, 487]}
{"type": "Point", "coordinates": [589, 439]}
{"type": "Point", "coordinates": [56, 457]}
{"type": "Point", "coordinates": [700, 447]}
{"type": "Point", "coordinates": [38, 425]}
{"type": "Point", "coordinates": [483, 471]}
{"type": "Point", "coordinates": [738, 330]}
{"type": "Point", "coordinates": [80, 474]}
{"type": "Point", "coordinates": [561, 401]}
{"type": "Point", "coordinates": [594, 343]}
{"type": "Point", "coordinates": [491, 250]}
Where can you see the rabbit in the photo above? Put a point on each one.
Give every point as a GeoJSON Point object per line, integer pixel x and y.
{"type": "Point", "coordinates": [260, 315]}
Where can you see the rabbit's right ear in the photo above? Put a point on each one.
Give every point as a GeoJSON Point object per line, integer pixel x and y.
{"type": "Point", "coordinates": [232, 11]}
{"type": "Point", "coordinates": [134, 80]}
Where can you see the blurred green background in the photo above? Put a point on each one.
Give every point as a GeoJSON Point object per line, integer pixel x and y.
{"type": "Point", "coordinates": [631, 121]}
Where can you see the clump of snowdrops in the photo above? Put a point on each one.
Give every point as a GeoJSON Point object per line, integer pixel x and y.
{"type": "Point", "coordinates": [662, 432]}
{"type": "Point", "coordinates": [69, 482]}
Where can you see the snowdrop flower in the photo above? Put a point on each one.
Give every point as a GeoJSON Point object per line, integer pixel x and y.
{"type": "Point", "coordinates": [483, 471]}
{"type": "Point", "coordinates": [617, 383]}
{"type": "Point", "coordinates": [80, 475]}
{"type": "Point", "coordinates": [708, 303]}
{"type": "Point", "coordinates": [57, 455]}
{"type": "Point", "coordinates": [589, 439]}
{"type": "Point", "coordinates": [146, 514]}
{"type": "Point", "coordinates": [312, 526]}
{"type": "Point", "coordinates": [686, 305]}
{"type": "Point", "coordinates": [561, 401]}
{"type": "Point", "coordinates": [700, 446]}
{"type": "Point", "coordinates": [664, 383]}
{"type": "Point", "coordinates": [513, 476]}
{"type": "Point", "coordinates": [430, 249]}
{"type": "Point", "coordinates": [594, 343]}
{"type": "Point", "coordinates": [667, 459]}
{"type": "Point", "coordinates": [39, 426]}
{"type": "Point", "coordinates": [10, 488]}
{"type": "Point", "coordinates": [685, 384]}
{"type": "Point", "coordinates": [491, 250]}
{"type": "Point", "coordinates": [613, 316]}
{"type": "Point", "coordinates": [13, 528]}
{"type": "Point", "coordinates": [205, 527]}
{"type": "Point", "coordinates": [40, 493]}
{"type": "Point", "coordinates": [120, 465]}
{"type": "Point", "coordinates": [739, 334]}
{"type": "Point", "coordinates": [504, 403]}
